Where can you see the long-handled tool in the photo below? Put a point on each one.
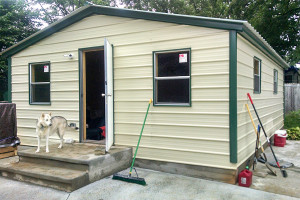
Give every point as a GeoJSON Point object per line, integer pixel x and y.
{"type": "Point", "coordinates": [256, 148]}
{"type": "Point", "coordinates": [283, 172]}
{"type": "Point", "coordinates": [129, 178]}
{"type": "Point", "coordinates": [258, 136]}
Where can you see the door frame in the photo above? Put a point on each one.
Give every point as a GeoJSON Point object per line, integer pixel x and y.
{"type": "Point", "coordinates": [82, 89]}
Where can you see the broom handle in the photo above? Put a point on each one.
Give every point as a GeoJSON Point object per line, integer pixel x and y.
{"type": "Point", "coordinates": [256, 132]}
{"type": "Point", "coordinates": [137, 147]}
{"type": "Point", "coordinates": [264, 131]}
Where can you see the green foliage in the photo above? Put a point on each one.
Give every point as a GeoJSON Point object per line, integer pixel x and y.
{"type": "Point", "coordinates": [293, 133]}
{"type": "Point", "coordinates": [292, 120]}
{"type": "Point", "coordinates": [277, 21]}
{"type": "Point", "coordinates": [17, 22]}
{"type": "Point", "coordinates": [51, 11]}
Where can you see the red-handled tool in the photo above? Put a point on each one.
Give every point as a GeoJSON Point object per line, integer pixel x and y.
{"type": "Point", "coordinates": [283, 172]}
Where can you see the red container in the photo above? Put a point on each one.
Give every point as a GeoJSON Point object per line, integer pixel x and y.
{"type": "Point", "coordinates": [245, 178]}
{"type": "Point", "coordinates": [103, 131]}
{"type": "Point", "coordinates": [280, 138]}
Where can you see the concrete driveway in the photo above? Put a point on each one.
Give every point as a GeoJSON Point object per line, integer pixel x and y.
{"type": "Point", "coordinates": [159, 186]}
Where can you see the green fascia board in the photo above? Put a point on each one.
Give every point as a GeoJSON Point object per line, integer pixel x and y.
{"type": "Point", "coordinates": [233, 96]}
{"type": "Point", "coordinates": [238, 25]}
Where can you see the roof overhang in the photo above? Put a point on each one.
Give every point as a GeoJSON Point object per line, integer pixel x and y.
{"type": "Point", "coordinates": [243, 27]}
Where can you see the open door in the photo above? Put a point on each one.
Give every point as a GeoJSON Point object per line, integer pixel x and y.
{"type": "Point", "coordinates": [108, 67]}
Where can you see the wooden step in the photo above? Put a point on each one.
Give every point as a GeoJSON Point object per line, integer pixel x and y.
{"type": "Point", "coordinates": [8, 152]}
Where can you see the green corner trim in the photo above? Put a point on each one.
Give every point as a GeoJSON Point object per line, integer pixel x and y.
{"type": "Point", "coordinates": [233, 96]}
{"type": "Point", "coordinates": [9, 80]}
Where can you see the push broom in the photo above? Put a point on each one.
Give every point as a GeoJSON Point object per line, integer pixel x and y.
{"type": "Point", "coordinates": [262, 148]}
{"type": "Point", "coordinates": [283, 172]}
{"type": "Point", "coordinates": [129, 178]}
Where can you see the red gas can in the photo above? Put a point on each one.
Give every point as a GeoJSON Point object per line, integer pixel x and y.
{"type": "Point", "coordinates": [245, 178]}
{"type": "Point", "coordinates": [280, 138]}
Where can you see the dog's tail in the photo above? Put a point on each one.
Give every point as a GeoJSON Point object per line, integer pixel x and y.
{"type": "Point", "coordinates": [72, 127]}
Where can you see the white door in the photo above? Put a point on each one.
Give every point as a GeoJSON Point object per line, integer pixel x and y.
{"type": "Point", "coordinates": [109, 100]}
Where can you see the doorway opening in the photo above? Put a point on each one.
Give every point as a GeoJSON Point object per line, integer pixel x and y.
{"type": "Point", "coordinates": [94, 101]}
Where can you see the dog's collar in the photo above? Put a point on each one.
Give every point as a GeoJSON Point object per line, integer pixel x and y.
{"type": "Point", "coordinates": [41, 126]}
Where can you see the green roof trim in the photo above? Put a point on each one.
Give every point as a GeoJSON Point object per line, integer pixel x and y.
{"type": "Point", "coordinates": [238, 25]}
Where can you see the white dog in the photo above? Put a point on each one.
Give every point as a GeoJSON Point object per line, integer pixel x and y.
{"type": "Point", "coordinates": [47, 125]}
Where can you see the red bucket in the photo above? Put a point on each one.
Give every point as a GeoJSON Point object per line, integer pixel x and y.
{"type": "Point", "coordinates": [280, 138]}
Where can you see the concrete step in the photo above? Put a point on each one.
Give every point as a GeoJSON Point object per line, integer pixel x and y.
{"type": "Point", "coordinates": [78, 153]}
{"type": "Point", "coordinates": [69, 168]}
{"type": "Point", "coordinates": [45, 175]}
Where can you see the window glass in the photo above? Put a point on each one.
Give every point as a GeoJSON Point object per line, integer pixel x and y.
{"type": "Point", "coordinates": [275, 81]}
{"type": "Point", "coordinates": [173, 91]}
{"type": "Point", "coordinates": [40, 83]}
{"type": "Point", "coordinates": [40, 93]}
{"type": "Point", "coordinates": [168, 64]}
{"type": "Point", "coordinates": [257, 75]}
{"type": "Point", "coordinates": [172, 78]}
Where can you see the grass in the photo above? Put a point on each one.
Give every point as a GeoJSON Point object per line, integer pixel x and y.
{"type": "Point", "coordinates": [292, 124]}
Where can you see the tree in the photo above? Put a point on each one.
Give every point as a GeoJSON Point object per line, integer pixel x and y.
{"type": "Point", "coordinates": [16, 23]}
{"type": "Point", "coordinates": [51, 10]}
{"type": "Point", "coordinates": [276, 20]}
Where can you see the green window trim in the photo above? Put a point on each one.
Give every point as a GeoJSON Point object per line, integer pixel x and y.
{"type": "Point", "coordinates": [29, 83]}
{"type": "Point", "coordinates": [259, 61]}
{"type": "Point", "coordinates": [189, 104]}
{"type": "Point", "coordinates": [275, 80]}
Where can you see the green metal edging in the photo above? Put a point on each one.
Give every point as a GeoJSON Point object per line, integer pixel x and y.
{"type": "Point", "coordinates": [233, 96]}
{"type": "Point", "coordinates": [190, 81]}
{"type": "Point", "coordinates": [9, 95]}
{"type": "Point", "coordinates": [29, 86]}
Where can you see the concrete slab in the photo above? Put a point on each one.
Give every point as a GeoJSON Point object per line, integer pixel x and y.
{"type": "Point", "coordinates": [277, 184]}
{"type": "Point", "coordinates": [159, 186]}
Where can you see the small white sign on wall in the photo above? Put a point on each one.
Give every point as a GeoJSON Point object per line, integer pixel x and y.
{"type": "Point", "coordinates": [182, 58]}
{"type": "Point", "coordinates": [46, 68]}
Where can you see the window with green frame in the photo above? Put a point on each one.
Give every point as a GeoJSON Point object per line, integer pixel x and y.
{"type": "Point", "coordinates": [39, 83]}
{"type": "Point", "coordinates": [172, 77]}
{"type": "Point", "coordinates": [257, 75]}
{"type": "Point", "coordinates": [275, 81]}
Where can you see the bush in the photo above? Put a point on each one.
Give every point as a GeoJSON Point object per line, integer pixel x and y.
{"type": "Point", "coordinates": [292, 120]}
{"type": "Point", "coordinates": [293, 133]}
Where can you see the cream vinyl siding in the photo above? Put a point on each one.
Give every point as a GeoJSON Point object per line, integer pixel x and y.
{"type": "Point", "coordinates": [196, 135]}
{"type": "Point", "coordinates": [269, 106]}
